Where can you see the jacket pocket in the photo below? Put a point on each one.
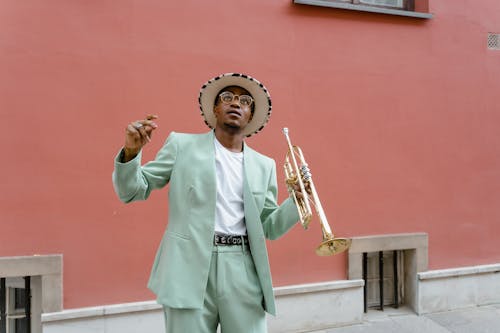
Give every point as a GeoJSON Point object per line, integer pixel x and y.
{"type": "Point", "coordinates": [180, 217]}
{"type": "Point", "coordinates": [259, 197]}
{"type": "Point", "coordinates": [175, 234]}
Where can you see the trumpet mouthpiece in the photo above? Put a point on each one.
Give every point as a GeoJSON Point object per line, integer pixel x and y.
{"type": "Point", "coordinates": [285, 130]}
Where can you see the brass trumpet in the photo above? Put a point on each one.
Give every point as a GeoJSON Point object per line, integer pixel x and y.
{"type": "Point", "coordinates": [301, 175]}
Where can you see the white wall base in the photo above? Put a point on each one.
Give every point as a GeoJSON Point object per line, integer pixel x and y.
{"type": "Point", "coordinates": [120, 318]}
{"type": "Point", "coordinates": [317, 306]}
{"type": "Point", "coordinates": [300, 307]}
{"type": "Point", "coordinates": [450, 289]}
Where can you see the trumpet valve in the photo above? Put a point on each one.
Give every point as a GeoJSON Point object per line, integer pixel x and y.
{"type": "Point", "coordinates": [305, 172]}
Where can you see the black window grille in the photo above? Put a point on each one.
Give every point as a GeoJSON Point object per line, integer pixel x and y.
{"type": "Point", "coordinates": [396, 301]}
{"type": "Point", "coordinates": [15, 307]}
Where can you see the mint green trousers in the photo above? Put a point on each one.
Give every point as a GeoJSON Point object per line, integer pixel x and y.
{"type": "Point", "coordinates": [233, 298]}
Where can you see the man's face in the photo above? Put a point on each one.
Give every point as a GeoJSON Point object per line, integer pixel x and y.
{"type": "Point", "coordinates": [233, 115]}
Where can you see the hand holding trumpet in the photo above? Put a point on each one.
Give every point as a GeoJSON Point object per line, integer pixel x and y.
{"type": "Point", "coordinates": [138, 134]}
{"type": "Point", "coordinates": [298, 191]}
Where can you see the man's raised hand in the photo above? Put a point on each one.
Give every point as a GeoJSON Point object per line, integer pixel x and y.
{"type": "Point", "coordinates": [138, 134]}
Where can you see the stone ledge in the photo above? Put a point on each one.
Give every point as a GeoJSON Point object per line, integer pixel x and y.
{"type": "Point", "coordinates": [388, 242]}
{"type": "Point", "coordinates": [106, 310]}
{"type": "Point", "coordinates": [31, 265]}
{"type": "Point", "coordinates": [317, 306]}
{"type": "Point", "coordinates": [317, 287]}
{"type": "Point", "coordinates": [99, 311]}
{"type": "Point", "coordinates": [455, 272]}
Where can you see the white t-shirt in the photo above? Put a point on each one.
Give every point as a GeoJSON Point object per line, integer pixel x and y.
{"type": "Point", "coordinates": [229, 213]}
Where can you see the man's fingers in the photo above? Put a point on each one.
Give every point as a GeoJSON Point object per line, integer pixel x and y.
{"type": "Point", "coordinates": [147, 129]}
{"type": "Point", "coordinates": [138, 131]}
{"type": "Point", "coordinates": [147, 123]}
{"type": "Point", "coordinates": [308, 188]}
{"type": "Point", "coordinates": [144, 133]}
{"type": "Point", "coordinates": [132, 129]}
{"type": "Point", "coordinates": [298, 191]}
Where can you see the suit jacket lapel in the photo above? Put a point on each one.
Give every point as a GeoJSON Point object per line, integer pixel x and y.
{"type": "Point", "coordinates": [252, 217]}
{"type": "Point", "coordinates": [255, 232]}
{"type": "Point", "coordinates": [248, 160]}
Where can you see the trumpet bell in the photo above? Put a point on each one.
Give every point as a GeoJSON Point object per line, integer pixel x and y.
{"type": "Point", "coordinates": [333, 246]}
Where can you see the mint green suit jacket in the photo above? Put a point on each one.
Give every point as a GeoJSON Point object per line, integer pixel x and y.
{"type": "Point", "coordinates": [187, 162]}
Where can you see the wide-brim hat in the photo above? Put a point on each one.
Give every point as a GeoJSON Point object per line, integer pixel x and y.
{"type": "Point", "coordinates": [261, 97]}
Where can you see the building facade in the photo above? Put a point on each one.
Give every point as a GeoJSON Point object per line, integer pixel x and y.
{"type": "Point", "coordinates": [394, 103]}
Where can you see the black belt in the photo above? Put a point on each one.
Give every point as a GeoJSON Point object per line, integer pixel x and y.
{"type": "Point", "coordinates": [221, 239]}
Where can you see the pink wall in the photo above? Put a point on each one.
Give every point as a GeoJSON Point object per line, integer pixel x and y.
{"type": "Point", "coordinates": [398, 118]}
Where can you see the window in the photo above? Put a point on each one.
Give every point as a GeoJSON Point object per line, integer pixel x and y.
{"type": "Point", "coordinates": [382, 273]}
{"type": "Point", "coordinates": [405, 254]}
{"type": "Point", "coordinates": [15, 305]}
{"type": "Point", "coordinates": [409, 8]}
{"type": "Point", "coordinates": [395, 4]}
{"type": "Point", "coordinates": [22, 280]}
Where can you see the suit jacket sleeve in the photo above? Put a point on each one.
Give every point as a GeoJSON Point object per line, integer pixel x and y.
{"type": "Point", "coordinates": [133, 182]}
{"type": "Point", "coordinates": [277, 220]}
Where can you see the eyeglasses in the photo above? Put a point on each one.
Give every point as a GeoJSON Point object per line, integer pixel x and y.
{"type": "Point", "coordinates": [228, 97]}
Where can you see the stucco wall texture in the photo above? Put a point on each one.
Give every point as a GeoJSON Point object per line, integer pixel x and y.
{"type": "Point", "coordinates": [398, 119]}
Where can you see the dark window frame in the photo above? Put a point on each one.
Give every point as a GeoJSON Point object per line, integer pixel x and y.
{"type": "Point", "coordinates": [15, 307]}
{"type": "Point", "coordinates": [356, 5]}
{"type": "Point", "coordinates": [408, 5]}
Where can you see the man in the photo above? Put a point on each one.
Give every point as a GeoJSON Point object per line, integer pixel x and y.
{"type": "Point", "coordinates": [212, 266]}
